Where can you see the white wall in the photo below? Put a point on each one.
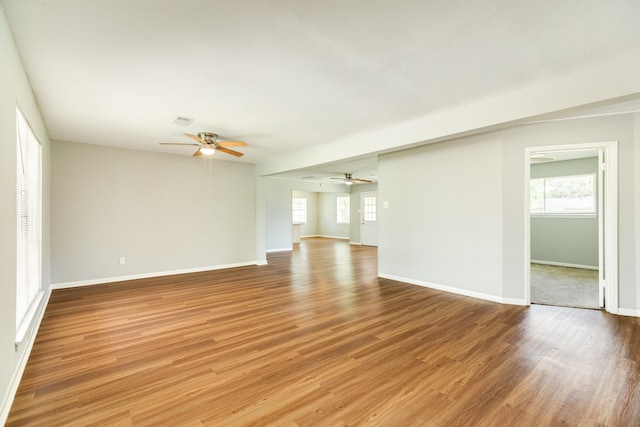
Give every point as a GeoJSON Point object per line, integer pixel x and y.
{"type": "Point", "coordinates": [310, 228]}
{"type": "Point", "coordinates": [443, 227]}
{"type": "Point", "coordinates": [328, 216]}
{"type": "Point", "coordinates": [277, 196]}
{"type": "Point", "coordinates": [570, 240]}
{"type": "Point", "coordinates": [161, 212]}
{"type": "Point", "coordinates": [461, 222]}
{"type": "Point", "coordinates": [15, 90]}
{"type": "Point", "coordinates": [321, 215]}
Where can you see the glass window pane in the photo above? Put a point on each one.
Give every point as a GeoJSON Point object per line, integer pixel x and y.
{"type": "Point", "coordinates": [564, 195]}
{"type": "Point", "coordinates": [342, 207]}
{"type": "Point", "coordinates": [370, 208]}
{"type": "Point", "coordinates": [299, 210]}
{"type": "Point", "coordinates": [570, 194]}
{"type": "Point", "coordinates": [536, 193]}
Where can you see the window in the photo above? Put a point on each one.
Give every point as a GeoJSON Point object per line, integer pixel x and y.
{"type": "Point", "coordinates": [370, 208]}
{"type": "Point", "coordinates": [343, 207]}
{"type": "Point", "coordinates": [299, 210]}
{"type": "Point", "coordinates": [574, 194]}
{"type": "Point", "coordinates": [29, 225]}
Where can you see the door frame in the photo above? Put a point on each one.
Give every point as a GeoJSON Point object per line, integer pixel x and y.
{"type": "Point", "coordinates": [607, 217]}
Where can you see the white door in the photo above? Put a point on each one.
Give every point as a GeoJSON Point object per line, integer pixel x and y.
{"type": "Point", "coordinates": [369, 218]}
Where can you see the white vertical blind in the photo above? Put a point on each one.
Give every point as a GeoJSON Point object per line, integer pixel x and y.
{"type": "Point", "coordinates": [29, 225]}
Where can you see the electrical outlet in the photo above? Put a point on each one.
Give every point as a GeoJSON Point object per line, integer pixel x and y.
{"type": "Point", "coordinates": [122, 260]}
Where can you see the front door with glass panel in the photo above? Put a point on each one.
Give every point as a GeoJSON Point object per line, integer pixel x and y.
{"type": "Point", "coordinates": [369, 218]}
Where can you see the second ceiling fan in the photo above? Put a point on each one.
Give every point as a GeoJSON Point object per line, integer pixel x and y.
{"type": "Point", "coordinates": [350, 180]}
{"type": "Point", "coordinates": [208, 144]}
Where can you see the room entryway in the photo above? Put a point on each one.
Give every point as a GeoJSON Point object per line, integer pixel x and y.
{"type": "Point", "coordinates": [571, 230]}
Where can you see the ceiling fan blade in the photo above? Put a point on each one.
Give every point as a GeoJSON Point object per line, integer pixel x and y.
{"type": "Point", "coordinates": [231, 144]}
{"type": "Point", "coordinates": [228, 151]}
{"type": "Point", "coordinates": [178, 143]}
{"type": "Point", "coordinates": [195, 138]}
{"type": "Point", "coordinates": [198, 153]}
{"type": "Point", "coordinates": [541, 159]}
{"type": "Point", "coordinates": [362, 180]}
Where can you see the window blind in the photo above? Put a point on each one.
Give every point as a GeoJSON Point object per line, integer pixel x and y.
{"type": "Point", "coordinates": [29, 225]}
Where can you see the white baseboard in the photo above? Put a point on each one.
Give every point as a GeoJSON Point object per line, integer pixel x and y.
{"type": "Point", "coordinates": [355, 243]}
{"type": "Point", "coordinates": [628, 312]}
{"type": "Point", "coordinates": [279, 250]}
{"type": "Point", "coordinates": [564, 264]}
{"type": "Point", "coordinates": [458, 291]}
{"type": "Point", "coordinates": [27, 345]}
{"type": "Point", "coordinates": [325, 237]}
{"type": "Point", "coordinates": [64, 285]}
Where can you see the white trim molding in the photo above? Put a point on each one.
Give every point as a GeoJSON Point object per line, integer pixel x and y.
{"type": "Point", "coordinates": [65, 285]}
{"type": "Point", "coordinates": [279, 250]}
{"type": "Point", "coordinates": [311, 236]}
{"type": "Point", "coordinates": [629, 312]}
{"type": "Point", "coordinates": [450, 289]}
{"type": "Point", "coordinates": [564, 264]}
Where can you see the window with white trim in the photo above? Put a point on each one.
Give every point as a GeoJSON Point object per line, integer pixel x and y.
{"type": "Point", "coordinates": [299, 210]}
{"type": "Point", "coordinates": [343, 206]}
{"type": "Point", "coordinates": [29, 225]}
{"type": "Point", "coordinates": [574, 194]}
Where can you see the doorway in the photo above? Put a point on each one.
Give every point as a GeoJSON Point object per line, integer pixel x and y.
{"type": "Point", "coordinates": [598, 215]}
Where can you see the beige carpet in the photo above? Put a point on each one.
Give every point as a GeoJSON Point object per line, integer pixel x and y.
{"type": "Point", "coordinates": [564, 286]}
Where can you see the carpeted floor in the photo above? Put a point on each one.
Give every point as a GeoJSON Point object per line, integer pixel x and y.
{"type": "Point", "coordinates": [564, 286]}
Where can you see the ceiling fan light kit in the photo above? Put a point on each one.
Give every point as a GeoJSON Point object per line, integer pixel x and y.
{"type": "Point", "coordinates": [207, 143]}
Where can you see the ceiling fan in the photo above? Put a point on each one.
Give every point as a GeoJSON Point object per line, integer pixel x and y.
{"type": "Point", "coordinates": [350, 180]}
{"type": "Point", "coordinates": [208, 144]}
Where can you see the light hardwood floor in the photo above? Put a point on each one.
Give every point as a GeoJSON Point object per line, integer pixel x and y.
{"type": "Point", "coordinates": [315, 338]}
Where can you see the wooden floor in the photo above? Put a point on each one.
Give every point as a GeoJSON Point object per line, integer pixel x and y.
{"type": "Point", "coordinates": [315, 338]}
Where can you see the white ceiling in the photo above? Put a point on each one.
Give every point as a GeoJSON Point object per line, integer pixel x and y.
{"type": "Point", "coordinates": [293, 77]}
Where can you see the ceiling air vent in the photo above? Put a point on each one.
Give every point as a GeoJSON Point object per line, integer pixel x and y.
{"type": "Point", "coordinates": [182, 121]}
